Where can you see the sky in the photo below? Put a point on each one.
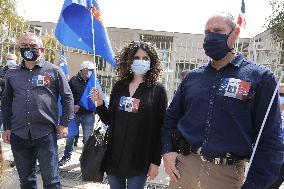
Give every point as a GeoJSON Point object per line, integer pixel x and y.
{"type": "Point", "coordinates": [185, 16]}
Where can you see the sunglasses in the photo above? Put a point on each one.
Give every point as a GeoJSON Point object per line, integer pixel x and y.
{"type": "Point", "coordinates": [141, 44]}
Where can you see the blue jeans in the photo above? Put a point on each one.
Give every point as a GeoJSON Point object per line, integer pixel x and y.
{"type": "Point", "coordinates": [27, 151]}
{"type": "Point", "coordinates": [116, 182]}
{"type": "Point", "coordinates": [87, 122]}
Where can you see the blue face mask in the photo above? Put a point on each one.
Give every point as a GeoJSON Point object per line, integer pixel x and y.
{"type": "Point", "coordinates": [281, 100]}
{"type": "Point", "coordinates": [216, 46]}
{"type": "Point", "coordinates": [140, 67]}
{"type": "Point", "coordinates": [10, 63]}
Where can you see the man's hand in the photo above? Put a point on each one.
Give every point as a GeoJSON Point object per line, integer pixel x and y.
{"type": "Point", "coordinates": [153, 171]}
{"type": "Point", "coordinates": [6, 136]}
{"type": "Point", "coordinates": [170, 165]}
{"type": "Point", "coordinates": [76, 108]}
{"type": "Point", "coordinates": [62, 131]}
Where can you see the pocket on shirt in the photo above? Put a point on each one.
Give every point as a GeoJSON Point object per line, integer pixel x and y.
{"type": "Point", "coordinates": [236, 107]}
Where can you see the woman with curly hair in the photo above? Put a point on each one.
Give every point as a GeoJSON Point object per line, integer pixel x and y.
{"type": "Point", "coordinates": [135, 117]}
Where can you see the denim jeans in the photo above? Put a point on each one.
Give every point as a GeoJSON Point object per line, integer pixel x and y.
{"type": "Point", "coordinates": [137, 182]}
{"type": "Point", "coordinates": [27, 151]}
{"type": "Point", "coordinates": [87, 122]}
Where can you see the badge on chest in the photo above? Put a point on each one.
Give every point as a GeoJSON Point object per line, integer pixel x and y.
{"type": "Point", "coordinates": [41, 80]}
{"type": "Point", "coordinates": [235, 88]}
{"type": "Point", "coordinates": [129, 104]}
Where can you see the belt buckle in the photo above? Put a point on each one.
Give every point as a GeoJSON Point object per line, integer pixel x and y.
{"type": "Point", "coordinates": [202, 158]}
{"type": "Point", "coordinates": [217, 161]}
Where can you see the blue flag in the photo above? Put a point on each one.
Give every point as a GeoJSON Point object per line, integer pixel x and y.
{"type": "Point", "coordinates": [72, 127]}
{"type": "Point", "coordinates": [85, 100]}
{"type": "Point", "coordinates": [75, 28]}
{"type": "Point", "coordinates": [63, 63]}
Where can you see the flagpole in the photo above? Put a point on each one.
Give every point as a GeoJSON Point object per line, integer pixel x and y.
{"type": "Point", "coordinates": [237, 45]}
{"type": "Point", "coordinates": [94, 47]}
{"type": "Point", "coordinates": [262, 125]}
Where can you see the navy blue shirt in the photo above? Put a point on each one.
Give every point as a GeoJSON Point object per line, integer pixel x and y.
{"type": "Point", "coordinates": [30, 100]}
{"type": "Point", "coordinates": [221, 111]}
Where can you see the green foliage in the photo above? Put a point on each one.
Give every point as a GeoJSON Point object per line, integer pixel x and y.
{"type": "Point", "coordinates": [49, 42]}
{"type": "Point", "coordinates": [276, 20]}
{"type": "Point", "coordinates": [11, 26]}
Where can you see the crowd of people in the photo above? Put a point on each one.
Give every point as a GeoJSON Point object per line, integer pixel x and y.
{"type": "Point", "coordinates": [204, 137]}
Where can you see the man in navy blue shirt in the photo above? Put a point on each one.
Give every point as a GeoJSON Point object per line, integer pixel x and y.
{"type": "Point", "coordinates": [217, 113]}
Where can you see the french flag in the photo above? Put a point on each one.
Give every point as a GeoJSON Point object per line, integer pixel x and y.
{"type": "Point", "coordinates": [241, 19]}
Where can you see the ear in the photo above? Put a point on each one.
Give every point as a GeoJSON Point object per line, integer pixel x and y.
{"type": "Point", "coordinates": [41, 50]}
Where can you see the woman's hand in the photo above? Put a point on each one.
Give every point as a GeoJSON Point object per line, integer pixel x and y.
{"type": "Point", "coordinates": [153, 171]}
{"type": "Point", "coordinates": [97, 97]}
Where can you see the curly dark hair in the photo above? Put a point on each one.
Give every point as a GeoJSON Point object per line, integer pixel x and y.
{"type": "Point", "coordinates": [126, 57]}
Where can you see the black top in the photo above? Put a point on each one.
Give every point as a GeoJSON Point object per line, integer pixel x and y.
{"type": "Point", "coordinates": [135, 127]}
{"type": "Point", "coordinates": [30, 100]}
{"type": "Point", "coordinates": [77, 85]}
{"type": "Point", "coordinates": [3, 70]}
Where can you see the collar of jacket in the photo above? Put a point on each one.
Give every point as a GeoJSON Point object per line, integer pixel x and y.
{"type": "Point", "coordinates": [79, 75]}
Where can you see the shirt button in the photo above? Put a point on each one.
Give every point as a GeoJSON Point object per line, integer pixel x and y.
{"type": "Point", "coordinates": [28, 112]}
{"type": "Point", "coordinates": [29, 123]}
{"type": "Point", "coordinates": [213, 86]}
{"type": "Point", "coordinates": [211, 103]}
{"type": "Point", "coordinates": [31, 70]}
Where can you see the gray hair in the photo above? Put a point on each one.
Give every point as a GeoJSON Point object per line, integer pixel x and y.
{"type": "Point", "coordinates": [34, 36]}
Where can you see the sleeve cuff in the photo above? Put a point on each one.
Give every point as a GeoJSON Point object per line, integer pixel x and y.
{"type": "Point", "coordinates": [6, 127]}
{"type": "Point", "coordinates": [167, 148]}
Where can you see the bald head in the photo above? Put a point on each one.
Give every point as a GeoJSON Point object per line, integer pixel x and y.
{"type": "Point", "coordinates": [29, 39]}
{"type": "Point", "coordinates": [227, 18]}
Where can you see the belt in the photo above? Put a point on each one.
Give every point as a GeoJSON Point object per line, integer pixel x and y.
{"type": "Point", "coordinates": [229, 159]}
{"type": "Point", "coordinates": [220, 160]}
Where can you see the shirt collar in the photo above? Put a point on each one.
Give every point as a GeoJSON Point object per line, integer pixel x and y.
{"type": "Point", "coordinates": [237, 61]}
{"type": "Point", "coordinates": [40, 64]}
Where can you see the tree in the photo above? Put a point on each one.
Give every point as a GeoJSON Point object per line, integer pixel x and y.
{"type": "Point", "coordinates": [49, 42]}
{"type": "Point", "coordinates": [11, 26]}
{"type": "Point", "coordinates": [276, 20]}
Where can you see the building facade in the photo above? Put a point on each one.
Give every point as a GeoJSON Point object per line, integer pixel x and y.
{"type": "Point", "coordinates": [178, 51]}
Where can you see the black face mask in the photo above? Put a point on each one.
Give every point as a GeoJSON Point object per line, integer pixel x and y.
{"type": "Point", "coordinates": [29, 54]}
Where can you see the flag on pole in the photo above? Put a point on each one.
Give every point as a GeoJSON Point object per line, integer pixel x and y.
{"type": "Point", "coordinates": [72, 127]}
{"type": "Point", "coordinates": [74, 28]}
{"type": "Point", "coordinates": [63, 63]}
{"type": "Point", "coordinates": [85, 100]}
{"type": "Point", "coordinates": [241, 19]}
